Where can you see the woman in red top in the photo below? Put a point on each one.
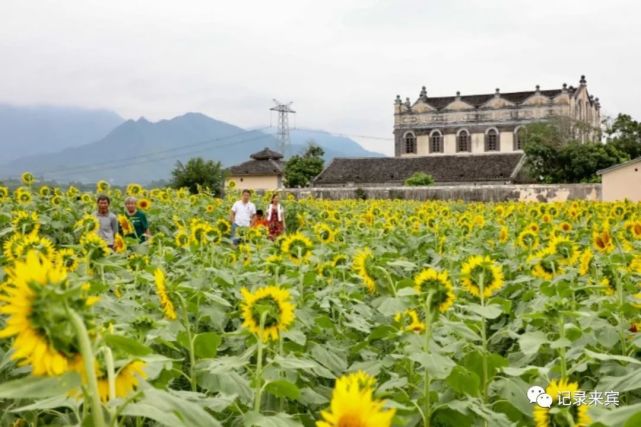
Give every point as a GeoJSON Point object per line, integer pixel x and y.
{"type": "Point", "coordinates": [275, 217]}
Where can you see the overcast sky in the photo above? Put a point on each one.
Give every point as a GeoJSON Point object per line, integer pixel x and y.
{"type": "Point", "coordinates": [341, 62]}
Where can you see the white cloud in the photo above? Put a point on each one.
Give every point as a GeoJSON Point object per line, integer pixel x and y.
{"type": "Point", "coordinates": [342, 62]}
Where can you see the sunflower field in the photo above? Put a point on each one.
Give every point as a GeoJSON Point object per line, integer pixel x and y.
{"type": "Point", "coordinates": [364, 314]}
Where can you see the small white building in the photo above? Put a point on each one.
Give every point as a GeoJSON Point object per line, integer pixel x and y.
{"type": "Point", "coordinates": [264, 171]}
{"type": "Point", "coordinates": [622, 181]}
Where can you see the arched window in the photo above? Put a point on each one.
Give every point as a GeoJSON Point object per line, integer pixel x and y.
{"type": "Point", "coordinates": [436, 142]}
{"type": "Point", "coordinates": [463, 142]}
{"type": "Point", "coordinates": [519, 138]}
{"type": "Point", "coordinates": [410, 143]}
{"type": "Point", "coordinates": [492, 140]}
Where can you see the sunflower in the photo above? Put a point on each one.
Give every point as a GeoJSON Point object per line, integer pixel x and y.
{"type": "Point", "coordinates": [479, 271]}
{"type": "Point", "coordinates": [93, 245]}
{"type": "Point", "coordinates": [72, 191]}
{"type": "Point", "coordinates": [545, 264]}
{"type": "Point", "coordinates": [361, 267]}
{"type": "Point", "coordinates": [271, 303]}
{"type": "Point", "coordinates": [181, 238]}
{"type": "Point", "coordinates": [297, 247]}
{"type": "Point", "coordinates": [67, 258]}
{"type": "Point", "coordinates": [602, 241]}
{"type": "Point", "coordinates": [528, 239]}
{"type": "Point", "coordinates": [212, 234]}
{"type": "Point", "coordinates": [544, 417]}
{"type": "Point", "coordinates": [38, 318]}
{"type": "Point", "coordinates": [33, 242]}
{"type": "Point", "coordinates": [198, 233]}
{"type": "Point", "coordinates": [533, 227]}
{"type": "Point", "coordinates": [102, 186]}
{"type": "Point", "coordinates": [324, 233]}
{"type": "Point", "coordinates": [564, 227]}
{"type": "Point", "coordinates": [27, 178]}
{"type": "Point", "coordinates": [4, 193]}
{"type": "Point", "coordinates": [231, 184]}
{"type": "Point", "coordinates": [119, 243]}
{"type": "Point", "coordinates": [409, 321]}
{"type": "Point", "coordinates": [353, 404]}
{"type": "Point", "coordinates": [585, 262]}
{"type": "Point", "coordinates": [633, 228]}
{"type": "Point", "coordinates": [325, 269]}
{"type": "Point", "coordinates": [10, 247]}
{"type": "Point", "coordinates": [126, 226]}
{"type": "Point", "coordinates": [339, 260]}
{"type": "Point", "coordinates": [504, 234]}
{"type": "Point", "coordinates": [44, 191]}
{"type": "Point", "coordinates": [126, 380]}
{"type": "Point", "coordinates": [88, 223]}
{"type": "Point", "coordinates": [210, 209]}
{"type": "Point", "coordinates": [25, 222]}
{"type": "Point", "coordinates": [161, 290]}
{"type": "Point", "coordinates": [430, 280]}
{"type": "Point", "coordinates": [144, 204]}
{"type": "Point", "coordinates": [224, 226]}
{"type": "Point", "coordinates": [134, 189]}
{"type": "Point", "coordinates": [566, 250]}
{"type": "Point", "coordinates": [23, 197]}
{"type": "Point", "coordinates": [56, 200]}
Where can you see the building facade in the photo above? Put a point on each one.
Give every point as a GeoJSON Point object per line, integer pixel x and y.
{"type": "Point", "coordinates": [491, 123]}
{"type": "Point", "coordinates": [622, 182]}
{"type": "Point", "coordinates": [263, 172]}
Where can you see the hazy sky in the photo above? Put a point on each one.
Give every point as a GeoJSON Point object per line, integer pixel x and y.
{"type": "Point", "coordinates": [342, 62]}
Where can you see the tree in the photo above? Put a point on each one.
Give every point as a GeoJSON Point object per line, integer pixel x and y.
{"type": "Point", "coordinates": [300, 170]}
{"type": "Point", "coordinates": [198, 174]}
{"type": "Point", "coordinates": [419, 178]}
{"type": "Point", "coordinates": [625, 134]}
{"type": "Point", "coordinates": [554, 157]}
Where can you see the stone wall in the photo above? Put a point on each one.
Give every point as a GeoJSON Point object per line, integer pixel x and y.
{"type": "Point", "coordinates": [468, 193]}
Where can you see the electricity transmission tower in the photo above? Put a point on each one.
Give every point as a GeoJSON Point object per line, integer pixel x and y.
{"type": "Point", "coordinates": [283, 124]}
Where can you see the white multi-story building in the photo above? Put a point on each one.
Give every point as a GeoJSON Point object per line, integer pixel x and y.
{"type": "Point", "coordinates": [492, 123]}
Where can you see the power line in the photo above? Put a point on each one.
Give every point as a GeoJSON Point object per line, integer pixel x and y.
{"type": "Point", "coordinates": [97, 168]}
{"type": "Point", "coordinates": [153, 153]}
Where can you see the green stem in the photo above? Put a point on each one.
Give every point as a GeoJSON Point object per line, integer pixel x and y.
{"type": "Point", "coordinates": [88, 359]}
{"type": "Point", "coordinates": [190, 340]}
{"type": "Point", "coordinates": [111, 372]}
{"type": "Point", "coordinates": [259, 364]}
{"type": "Point", "coordinates": [427, 381]}
{"type": "Point", "coordinates": [484, 383]}
{"type": "Point", "coordinates": [564, 368]}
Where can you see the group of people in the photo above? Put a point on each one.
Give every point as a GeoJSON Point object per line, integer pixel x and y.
{"type": "Point", "coordinates": [243, 214]}
{"type": "Point", "coordinates": [109, 225]}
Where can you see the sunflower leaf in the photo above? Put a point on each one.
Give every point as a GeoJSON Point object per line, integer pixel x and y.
{"type": "Point", "coordinates": [39, 387]}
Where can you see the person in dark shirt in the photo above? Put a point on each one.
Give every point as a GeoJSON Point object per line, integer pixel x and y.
{"type": "Point", "coordinates": [137, 219]}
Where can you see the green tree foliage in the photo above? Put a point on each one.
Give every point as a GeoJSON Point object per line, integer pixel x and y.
{"type": "Point", "coordinates": [198, 173]}
{"type": "Point", "coordinates": [553, 156]}
{"type": "Point", "coordinates": [419, 178]}
{"type": "Point", "coordinates": [625, 134]}
{"type": "Point", "coordinates": [300, 170]}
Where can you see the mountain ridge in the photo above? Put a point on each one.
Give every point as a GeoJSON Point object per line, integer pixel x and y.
{"type": "Point", "coordinates": [144, 151]}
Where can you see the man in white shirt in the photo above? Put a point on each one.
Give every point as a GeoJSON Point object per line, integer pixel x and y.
{"type": "Point", "coordinates": [242, 214]}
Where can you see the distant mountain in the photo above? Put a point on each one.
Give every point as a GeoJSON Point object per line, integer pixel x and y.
{"type": "Point", "coordinates": [142, 151]}
{"type": "Point", "coordinates": [26, 131]}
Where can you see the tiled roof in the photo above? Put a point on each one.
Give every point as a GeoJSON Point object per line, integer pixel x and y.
{"type": "Point", "coordinates": [266, 154]}
{"type": "Point", "coordinates": [443, 168]}
{"type": "Point", "coordinates": [257, 167]}
{"type": "Point", "coordinates": [478, 100]}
